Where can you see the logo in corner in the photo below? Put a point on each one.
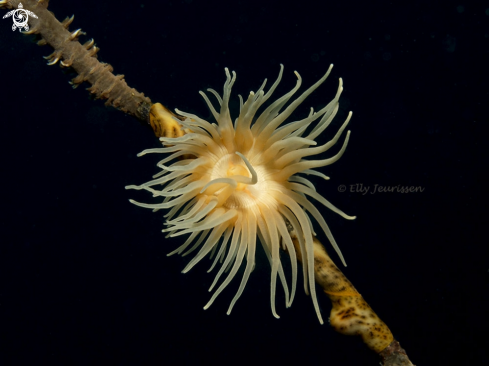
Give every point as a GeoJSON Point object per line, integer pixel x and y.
{"type": "Point", "coordinates": [20, 16]}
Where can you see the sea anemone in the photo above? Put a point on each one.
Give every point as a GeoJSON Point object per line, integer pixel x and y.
{"type": "Point", "coordinates": [242, 181]}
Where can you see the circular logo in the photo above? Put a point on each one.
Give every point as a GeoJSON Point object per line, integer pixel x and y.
{"type": "Point", "coordinates": [20, 17]}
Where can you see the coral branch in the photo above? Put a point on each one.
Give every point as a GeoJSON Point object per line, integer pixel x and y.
{"type": "Point", "coordinates": [82, 58]}
{"type": "Point", "coordinates": [394, 355]}
{"type": "Point", "coordinates": [350, 314]}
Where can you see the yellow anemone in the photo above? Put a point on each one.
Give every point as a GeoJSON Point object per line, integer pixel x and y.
{"type": "Point", "coordinates": [238, 181]}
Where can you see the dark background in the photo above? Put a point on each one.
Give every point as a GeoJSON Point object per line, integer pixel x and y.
{"type": "Point", "coordinates": [84, 276]}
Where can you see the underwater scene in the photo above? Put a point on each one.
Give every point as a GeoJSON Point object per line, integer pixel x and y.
{"type": "Point", "coordinates": [327, 216]}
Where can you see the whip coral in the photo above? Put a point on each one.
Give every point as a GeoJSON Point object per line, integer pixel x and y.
{"type": "Point", "coordinates": [243, 180]}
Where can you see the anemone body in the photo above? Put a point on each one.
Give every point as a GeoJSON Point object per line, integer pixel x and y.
{"type": "Point", "coordinates": [227, 184]}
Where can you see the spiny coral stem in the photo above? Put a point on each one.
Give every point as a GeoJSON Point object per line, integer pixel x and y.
{"type": "Point", "coordinates": [395, 355]}
{"type": "Point", "coordinates": [105, 85]}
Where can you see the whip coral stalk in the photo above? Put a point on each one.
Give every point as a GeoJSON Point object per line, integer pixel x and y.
{"type": "Point", "coordinates": [69, 53]}
{"type": "Point", "coordinates": [243, 180]}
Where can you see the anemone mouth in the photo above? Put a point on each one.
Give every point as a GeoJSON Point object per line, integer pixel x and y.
{"type": "Point", "coordinates": [247, 189]}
